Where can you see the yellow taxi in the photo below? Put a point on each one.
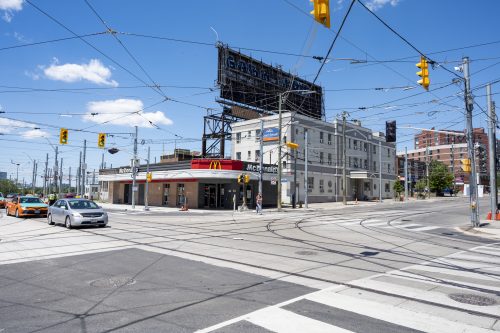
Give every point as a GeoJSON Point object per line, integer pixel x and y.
{"type": "Point", "coordinates": [23, 206]}
{"type": "Point", "coordinates": [2, 200]}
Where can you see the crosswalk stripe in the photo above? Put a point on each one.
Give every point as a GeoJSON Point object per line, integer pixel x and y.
{"type": "Point", "coordinates": [351, 223]}
{"type": "Point", "coordinates": [283, 321]}
{"type": "Point", "coordinates": [408, 225]}
{"type": "Point", "coordinates": [488, 250]}
{"type": "Point", "coordinates": [436, 281]}
{"type": "Point", "coordinates": [465, 264]}
{"type": "Point", "coordinates": [393, 314]}
{"type": "Point", "coordinates": [483, 259]}
{"type": "Point", "coordinates": [451, 271]}
{"type": "Point", "coordinates": [423, 295]}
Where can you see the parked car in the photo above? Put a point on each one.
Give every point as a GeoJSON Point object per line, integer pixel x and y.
{"type": "Point", "coordinates": [76, 212]}
{"type": "Point", "coordinates": [23, 206]}
{"type": "Point", "coordinates": [2, 200]}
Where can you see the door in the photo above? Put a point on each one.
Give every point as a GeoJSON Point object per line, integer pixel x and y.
{"type": "Point", "coordinates": [54, 210]}
{"type": "Point", "coordinates": [166, 189]}
{"type": "Point", "coordinates": [126, 193]}
{"type": "Point", "coordinates": [140, 199]}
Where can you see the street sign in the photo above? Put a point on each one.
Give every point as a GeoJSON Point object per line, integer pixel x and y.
{"type": "Point", "coordinates": [135, 189]}
{"type": "Point", "coordinates": [273, 181]}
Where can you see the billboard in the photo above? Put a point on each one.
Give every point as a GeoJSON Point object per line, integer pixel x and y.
{"type": "Point", "coordinates": [245, 80]}
{"type": "Point", "coordinates": [270, 134]}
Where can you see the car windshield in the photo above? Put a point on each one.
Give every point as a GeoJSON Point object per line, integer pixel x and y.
{"type": "Point", "coordinates": [30, 200]}
{"type": "Point", "coordinates": [82, 204]}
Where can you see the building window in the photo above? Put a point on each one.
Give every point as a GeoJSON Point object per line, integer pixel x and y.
{"type": "Point", "coordinates": [321, 186]}
{"type": "Point", "coordinates": [249, 134]}
{"type": "Point", "coordinates": [310, 184]}
{"type": "Point", "coordinates": [329, 159]}
{"type": "Point", "coordinates": [374, 166]}
{"type": "Point", "coordinates": [238, 137]}
{"type": "Point", "coordinates": [366, 146]}
{"type": "Point", "coordinates": [257, 134]}
{"type": "Point", "coordinates": [349, 143]}
{"type": "Point", "coordinates": [355, 162]}
{"type": "Point", "coordinates": [249, 155]}
{"type": "Point", "coordinates": [366, 164]}
{"type": "Point", "coordinates": [329, 139]}
{"type": "Point", "coordinates": [388, 152]}
{"type": "Point", "coordinates": [238, 155]}
{"type": "Point", "coordinates": [321, 157]}
{"type": "Point", "coordinates": [257, 155]}
{"type": "Point", "coordinates": [350, 162]}
{"type": "Point", "coordinates": [355, 143]}
{"type": "Point", "coordinates": [374, 149]}
{"type": "Point", "coordinates": [296, 131]}
{"type": "Point", "coordinates": [367, 186]}
{"type": "Point", "coordinates": [320, 137]}
{"type": "Point", "coordinates": [387, 189]}
{"type": "Point", "coordinates": [388, 168]}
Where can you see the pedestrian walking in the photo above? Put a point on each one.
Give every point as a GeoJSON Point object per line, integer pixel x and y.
{"type": "Point", "coordinates": [258, 200]}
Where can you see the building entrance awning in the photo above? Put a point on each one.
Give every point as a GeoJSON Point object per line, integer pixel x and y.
{"type": "Point", "coordinates": [359, 175]}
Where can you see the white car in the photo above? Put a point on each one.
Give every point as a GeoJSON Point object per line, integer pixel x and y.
{"type": "Point", "coordinates": [76, 212]}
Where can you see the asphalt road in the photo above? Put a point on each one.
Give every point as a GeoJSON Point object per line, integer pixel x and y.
{"type": "Point", "coordinates": [388, 267]}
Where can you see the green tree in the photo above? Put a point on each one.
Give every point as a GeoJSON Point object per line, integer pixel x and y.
{"type": "Point", "coordinates": [8, 186]}
{"type": "Point", "coordinates": [420, 188]}
{"type": "Point", "coordinates": [439, 177]}
{"type": "Point", "coordinates": [398, 188]}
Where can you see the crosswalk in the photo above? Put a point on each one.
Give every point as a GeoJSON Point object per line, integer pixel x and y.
{"type": "Point", "coordinates": [456, 293]}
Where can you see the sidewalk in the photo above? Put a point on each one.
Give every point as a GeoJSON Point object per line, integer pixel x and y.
{"type": "Point", "coordinates": [490, 227]}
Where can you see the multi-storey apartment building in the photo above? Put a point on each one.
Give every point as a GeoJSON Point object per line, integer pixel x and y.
{"type": "Point", "coordinates": [324, 156]}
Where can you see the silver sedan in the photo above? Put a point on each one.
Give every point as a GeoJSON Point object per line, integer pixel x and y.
{"type": "Point", "coordinates": [76, 212]}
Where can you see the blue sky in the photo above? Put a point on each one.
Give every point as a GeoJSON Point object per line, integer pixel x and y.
{"type": "Point", "coordinates": [59, 84]}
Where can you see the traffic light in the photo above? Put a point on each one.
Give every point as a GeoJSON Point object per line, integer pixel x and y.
{"type": "Point", "coordinates": [247, 179]}
{"type": "Point", "coordinates": [321, 12]}
{"type": "Point", "coordinates": [63, 136]}
{"type": "Point", "coordinates": [390, 131]}
{"type": "Point", "coordinates": [149, 177]}
{"type": "Point", "coordinates": [423, 73]}
{"type": "Point", "coordinates": [465, 165]}
{"type": "Point", "coordinates": [240, 179]}
{"type": "Point", "coordinates": [101, 140]}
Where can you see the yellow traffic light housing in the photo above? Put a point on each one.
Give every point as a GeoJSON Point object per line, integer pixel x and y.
{"type": "Point", "coordinates": [466, 165]}
{"type": "Point", "coordinates": [240, 179]}
{"type": "Point", "coordinates": [101, 140]}
{"type": "Point", "coordinates": [292, 145]}
{"type": "Point", "coordinates": [247, 179]}
{"type": "Point", "coordinates": [63, 136]}
{"type": "Point", "coordinates": [321, 12]}
{"type": "Point", "coordinates": [423, 73]}
{"type": "Point", "coordinates": [149, 177]}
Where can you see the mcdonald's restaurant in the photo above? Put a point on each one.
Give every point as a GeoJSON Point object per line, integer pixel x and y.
{"type": "Point", "coordinates": [197, 183]}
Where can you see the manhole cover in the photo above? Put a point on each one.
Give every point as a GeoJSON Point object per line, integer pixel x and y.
{"type": "Point", "coordinates": [113, 282]}
{"type": "Point", "coordinates": [306, 253]}
{"type": "Point", "coordinates": [447, 234]}
{"type": "Point", "coordinates": [473, 299]}
{"type": "Point", "coordinates": [369, 253]}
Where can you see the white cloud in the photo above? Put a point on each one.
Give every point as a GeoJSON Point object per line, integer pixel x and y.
{"type": "Point", "coordinates": [94, 72]}
{"type": "Point", "coordinates": [34, 134]}
{"type": "Point", "coordinates": [8, 125]}
{"type": "Point", "coordinates": [374, 5]}
{"type": "Point", "coordinates": [9, 6]}
{"type": "Point", "coordinates": [121, 112]}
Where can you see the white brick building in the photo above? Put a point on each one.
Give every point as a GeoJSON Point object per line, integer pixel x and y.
{"type": "Point", "coordinates": [324, 156]}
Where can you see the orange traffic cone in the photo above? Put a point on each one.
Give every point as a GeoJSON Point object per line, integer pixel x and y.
{"type": "Point", "coordinates": [488, 217]}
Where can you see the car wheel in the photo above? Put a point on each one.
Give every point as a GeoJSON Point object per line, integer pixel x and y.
{"type": "Point", "coordinates": [49, 219]}
{"type": "Point", "coordinates": [67, 223]}
{"type": "Point", "coordinates": [17, 213]}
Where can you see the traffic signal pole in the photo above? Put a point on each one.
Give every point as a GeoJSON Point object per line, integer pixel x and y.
{"type": "Point", "coordinates": [134, 170]}
{"type": "Point", "coordinates": [492, 152]}
{"type": "Point", "coordinates": [146, 192]}
{"type": "Point", "coordinates": [469, 105]}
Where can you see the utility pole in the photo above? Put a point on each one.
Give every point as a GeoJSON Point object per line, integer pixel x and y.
{"type": "Point", "coordinates": [469, 105]}
{"type": "Point", "coordinates": [146, 192]}
{"type": "Point", "coordinates": [134, 170]}
{"type": "Point", "coordinates": [45, 176]}
{"type": "Point", "coordinates": [69, 180]}
{"type": "Point", "coordinates": [56, 169]}
{"type": "Point", "coordinates": [406, 174]}
{"type": "Point", "coordinates": [261, 157]}
{"type": "Point", "coordinates": [33, 179]}
{"type": "Point", "coordinates": [427, 171]}
{"type": "Point", "coordinates": [102, 161]}
{"type": "Point", "coordinates": [306, 180]}
{"type": "Point", "coordinates": [453, 162]}
{"type": "Point", "coordinates": [83, 169]}
{"type": "Point", "coordinates": [344, 158]}
{"type": "Point", "coordinates": [61, 176]}
{"type": "Point", "coordinates": [380, 170]}
{"type": "Point", "coordinates": [79, 177]}
{"type": "Point", "coordinates": [279, 152]}
{"type": "Point", "coordinates": [492, 152]}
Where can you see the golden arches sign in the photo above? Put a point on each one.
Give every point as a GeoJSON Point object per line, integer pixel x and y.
{"type": "Point", "coordinates": [214, 165]}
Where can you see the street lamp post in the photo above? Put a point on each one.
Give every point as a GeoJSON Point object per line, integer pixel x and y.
{"type": "Point", "coordinates": [17, 171]}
